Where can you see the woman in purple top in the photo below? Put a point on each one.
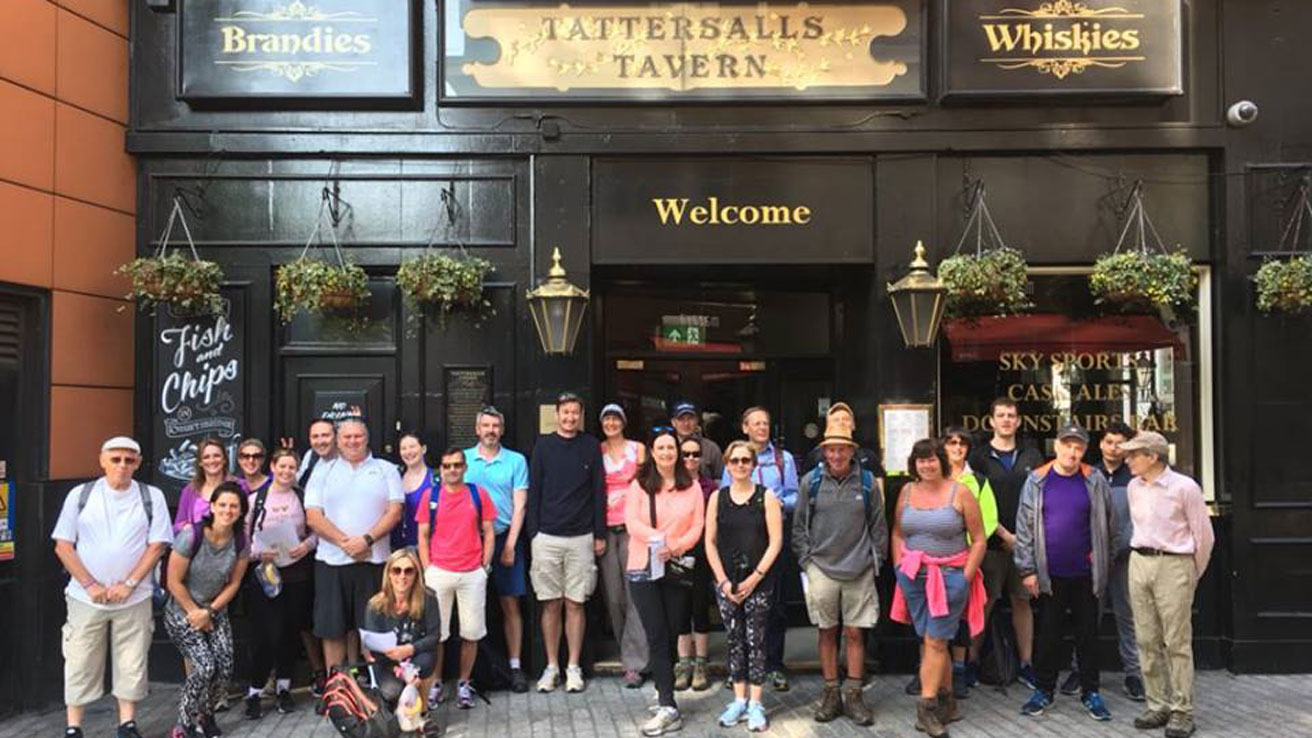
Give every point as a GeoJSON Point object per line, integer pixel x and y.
{"type": "Point", "coordinates": [211, 471]}
{"type": "Point", "coordinates": [250, 459]}
{"type": "Point", "coordinates": [417, 478]}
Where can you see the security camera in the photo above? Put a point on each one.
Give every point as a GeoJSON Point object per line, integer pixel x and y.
{"type": "Point", "coordinates": [1241, 113]}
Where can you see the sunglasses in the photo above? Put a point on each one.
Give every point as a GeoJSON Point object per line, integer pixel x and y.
{"type": "Point", "coordinates": [743, 460]}
{"type": "Point", "coordinates": [658, 430]}
{"type": "Point", "coordinates": [458, 465]}
{"type": "Point", "coordinates": [250, 457]}
{"type": "Point", "coordinates": [123, 460]}
{"type": "Point", "coordinates": [403, 571]}
{"type": "Point", "coordinates": [692, 454]}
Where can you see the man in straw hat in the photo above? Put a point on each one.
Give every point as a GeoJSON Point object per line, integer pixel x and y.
{"type": "Point", "coordinates": [840, 415]}
{"type": "Point", "coordinates": [840, 536]}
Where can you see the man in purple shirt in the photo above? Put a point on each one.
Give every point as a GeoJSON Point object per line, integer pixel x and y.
{"type": "Point", "coordinates": [1063, 552]}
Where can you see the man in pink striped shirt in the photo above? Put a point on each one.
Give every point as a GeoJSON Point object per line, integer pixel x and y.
{"type": "Point", "coordinates": [1172, 542]}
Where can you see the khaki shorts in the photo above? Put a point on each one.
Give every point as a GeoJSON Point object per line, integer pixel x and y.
{"type": "Point", "coordinates": [563, 567]}
{"type": "Point", "coordinates": [831, 602]}
{"type": "Point", "coordinates": [1002, 577]}
{"type": "Point", "coordinates": [468, 590]}
{"type": "Point", "coordinates": [89, 633]}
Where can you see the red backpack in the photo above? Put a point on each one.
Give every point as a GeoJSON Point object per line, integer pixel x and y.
{"type": "Point", "coordinates": [354, 711]}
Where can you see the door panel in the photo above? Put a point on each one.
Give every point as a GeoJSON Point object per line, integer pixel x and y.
{"type": "Point", "coordinates": [332, 387]}
{"type": "Point", "coordinates": [469, 361]}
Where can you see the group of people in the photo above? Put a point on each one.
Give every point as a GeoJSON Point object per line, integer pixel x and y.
{"type": "Point", "coordinates": [364, 562]}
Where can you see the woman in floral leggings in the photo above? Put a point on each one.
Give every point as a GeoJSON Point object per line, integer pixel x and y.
{"type": "Point", "coordinates": [205, 572]}
{"type": "Point", "coordinates": [744, 534]}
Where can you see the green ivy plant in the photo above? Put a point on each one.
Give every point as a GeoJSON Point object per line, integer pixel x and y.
{"type": "Point", "coordinates": [991, 282]}
{"type": "Point", "coordinates": [439, 284]}
{"type": "Point", "coordinates": [1140, 277]}
{"type": "Point", "coordinates": [1285, 286]}
{"type": "Point", "coordinates": [313, 285]}
{"type": "Point", "coordinates": [189, 285]}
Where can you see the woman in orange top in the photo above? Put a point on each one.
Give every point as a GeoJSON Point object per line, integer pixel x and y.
{"type": "Point", "coordinates": [664, 513]}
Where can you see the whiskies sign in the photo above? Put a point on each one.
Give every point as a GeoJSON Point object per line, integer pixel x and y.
{"type": "Point", "coordinates": [321, 51]}
{"type": "Point", "coordinates": [1026, 48]}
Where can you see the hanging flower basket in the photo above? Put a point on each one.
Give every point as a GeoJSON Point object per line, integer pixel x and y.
{"type": "Point", "coordinates": [189, 285]}
{"type": "Point", "coordinates": [994, 282]}
{"type": "Point", "coordinates": [440, 283]}
{"type": "Point", "coordinates": [312, 285]}
{"type": "Point", "coordinates": [1144, 277]}
{"type": "Point", "coordinates": [1285, 286]}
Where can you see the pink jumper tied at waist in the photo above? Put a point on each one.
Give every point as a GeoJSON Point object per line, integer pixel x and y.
{"type": "Point", "coordinates": [936, 593]}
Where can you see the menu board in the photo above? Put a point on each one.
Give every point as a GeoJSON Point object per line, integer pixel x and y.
{"type": "Point", "coordinates": [468, 389]}
{"type": "Point", "coordinates": [900, 426]}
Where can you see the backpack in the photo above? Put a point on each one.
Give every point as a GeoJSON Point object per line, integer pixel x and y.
{"type": "Point", "coordinates": [999, 664]}
{"type": "Point", "coordinates": [433, 497]}
{"type": "Point", "coordinates": [356, 712]}
{"type": "Point", "coordinates": [867, 484]}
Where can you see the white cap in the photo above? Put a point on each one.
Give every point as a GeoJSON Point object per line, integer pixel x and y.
{"type": "Point", "coordinates": [121, 442]}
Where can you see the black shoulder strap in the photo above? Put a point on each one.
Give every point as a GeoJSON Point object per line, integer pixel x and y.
{"type": "Point", "coordinates": [651, 500]}
{"type": "Point", "coordinates": [257, 510]}
{"type": "Point", "coordinates": [309, 469]}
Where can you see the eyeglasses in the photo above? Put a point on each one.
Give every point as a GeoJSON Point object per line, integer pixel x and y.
{"type": "Point", "coordinates": [403, 571]}
{"type": "Point", "coordinates": [741, 460]}
{"type": "Point", "coordinates": [250, 457]}
{"type": "Point", "coordinates": [457, 465]}
{"type": "Point", "coordinates": [692, 454]}
{"type": "Point", "coordinates": [954, 441]}
{"type": "Point", "coordinates": [123, 460]}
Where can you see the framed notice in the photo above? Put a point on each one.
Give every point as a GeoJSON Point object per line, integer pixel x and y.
{"type": "Point", "coordinates": [468, 389]}
{"type": "Point", "coordinates": [900, 426]}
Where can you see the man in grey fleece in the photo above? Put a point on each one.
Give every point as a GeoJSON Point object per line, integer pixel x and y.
{"type": "Point", "coordinates": [840, 536]}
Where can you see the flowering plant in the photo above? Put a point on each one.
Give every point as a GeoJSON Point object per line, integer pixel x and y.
{"type": "Point", "coordinates": [1285, 286]}
{"type": "Point", "coordinates": [314, 285]}
{"type": "Point", "coordinates": [191, 285]}
{"type": "Point", "coordinates": [992, 282]}
{"type": "Point", "coordinates": [444, 283]}
{"type": "Point", "coordinates": [1159, 280]}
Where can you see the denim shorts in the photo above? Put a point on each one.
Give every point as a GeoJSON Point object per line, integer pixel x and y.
{"type": "Point", "coordinates": [943, 627]}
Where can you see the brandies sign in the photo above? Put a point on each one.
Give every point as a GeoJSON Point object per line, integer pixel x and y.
{"type": "Point", "coordinates": [293, 50]}
{"type": "Point", "coordinates": [1016, 48]}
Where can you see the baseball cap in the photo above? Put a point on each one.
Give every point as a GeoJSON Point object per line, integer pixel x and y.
{"type": "Point", "coordinates": [613, 409]}
{"type": "Point", "coordinates": [121, 443]}
{"type": "Point", "coordinates": [683, 408]}
{"type": "Point", "coordinates": [1150, 441]}
{"type": "Point", "coordinates": [1072, 430]}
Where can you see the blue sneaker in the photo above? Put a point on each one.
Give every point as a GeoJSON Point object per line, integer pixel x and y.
{"type": "Point", "coordinates": [1027, 677]}
{"type": "Point", "coordinates": [1038, 702]}
{"type": "Point", "coordinates": [756, 720]}
{"type": "Point", "coordinates": [1092, 702]}
{"type": "Point", "coordinates": [734, 713]}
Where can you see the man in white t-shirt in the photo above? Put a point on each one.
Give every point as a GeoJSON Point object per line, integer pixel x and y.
{"type": "Point", "coordinates": [352, 502]}
{"type": "Point", "coordinates": [323, 447]}
{"type": "Point", "coordinates": [109, 535]}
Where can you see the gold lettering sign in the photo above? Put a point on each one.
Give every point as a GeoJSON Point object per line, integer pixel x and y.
{"type": "Point", "coordinates": [261, 42]}
{"type": "Point", "coordinates": [677, 211]}
{"type": "Point", "coordinates": [684, 47]}
{"type": "Point", "coordinates": [1062, 37]}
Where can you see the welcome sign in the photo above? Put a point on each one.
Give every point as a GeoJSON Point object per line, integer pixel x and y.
{"type": "Point", "coordinates": [281, 49]}
{"type": "Point", "coordinates": [1018, 48]}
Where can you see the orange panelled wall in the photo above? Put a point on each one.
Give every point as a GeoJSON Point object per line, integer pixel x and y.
{"type": "Point", "coordinates": [68, 200]}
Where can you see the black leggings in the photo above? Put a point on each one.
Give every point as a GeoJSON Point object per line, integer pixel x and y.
{"type": "Point", "coordinates": [702, 597]}
{"type": "Point", "coordinates": [662, 606]}
{"type": "Point", "coordinates": [276, 625]}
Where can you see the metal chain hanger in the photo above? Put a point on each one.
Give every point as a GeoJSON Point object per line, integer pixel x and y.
{"type": "Point", "coordinates": [176, 216]}
{"type": "Point", "coordinates": [1137, 216]}
{"type": "Point", "coordinates": [981, 223]}
{"type": "Point", "coordinates": [1293, 233]}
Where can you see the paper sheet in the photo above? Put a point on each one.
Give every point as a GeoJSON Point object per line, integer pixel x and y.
{"type": "Point", "coordinates": [377, 642]}
{"type": "Point", "coordinates": [280, 538]}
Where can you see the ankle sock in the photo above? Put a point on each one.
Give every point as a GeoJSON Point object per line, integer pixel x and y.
{"type": "Point", "coordinates": [831, 683]}
{"type": "Point", "coordinates": [514, 663]}
{"type": "Point", "coordinates": [254, 692]}
{"type": "Point", "coordinates": [852, 684]}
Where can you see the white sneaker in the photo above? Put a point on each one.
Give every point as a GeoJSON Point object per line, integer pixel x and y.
{"type": "Point", "coordinates": [666, 720]}
{"type": "Point", "coordinates": [573, 679]}
{"type": "Point", "coordinates": [549, 679]}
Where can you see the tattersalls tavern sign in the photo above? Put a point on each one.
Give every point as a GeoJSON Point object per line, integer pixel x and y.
{"type": "Point", "coordinates": [683, 51]}
{"type": "Point", "coordinates": [1019, 48]}
{"type": "Point", "coordinates": [317, 50]}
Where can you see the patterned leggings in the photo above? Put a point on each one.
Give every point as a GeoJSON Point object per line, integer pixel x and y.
{"type": "Point", "coordinates": [744, 626]}
{"type": "Point", "coordinates": [210, 654]}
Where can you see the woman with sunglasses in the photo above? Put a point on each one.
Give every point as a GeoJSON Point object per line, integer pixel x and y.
{"type": "Point", "coordinates": [210, 471]}
{"type": "Point", "coordinates": [621, 459]}
{"type": "Point", "coordinates": [279, 606]}
{"type": "Point", "coordinates": [250, 460]}
{"type": "Point", "coordinates": [664, 513]}
{"type": "Point", "coordinates": [417, 477]}
{"type": "Point", "coordinates": [694, 634]}
{"type": "Point", "coordinates": [744, 535]}
{"type": "Point", "coordinates": [205, 572]}
{"type": "Point", "coordinates": [404, 608]}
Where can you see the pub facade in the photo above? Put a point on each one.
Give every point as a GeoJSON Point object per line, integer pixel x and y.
{"type": "Point", "coordinates": [736, 185]}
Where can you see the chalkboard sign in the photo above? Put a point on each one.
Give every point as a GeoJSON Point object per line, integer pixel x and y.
{"type": "Point", "coordinates": [200, 386]}
{"type": "Point", "coordinates": [468, 389]}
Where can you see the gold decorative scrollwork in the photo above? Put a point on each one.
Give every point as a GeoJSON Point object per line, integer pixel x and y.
{"type": "Point", "coordinates": [295, 71]}
{"type": "Point", "coordinates": [1060, 68]}
{"type": "Point", "coordinates": [1068, 9]}
{"type": "Point", "coordinates": [297, 11]}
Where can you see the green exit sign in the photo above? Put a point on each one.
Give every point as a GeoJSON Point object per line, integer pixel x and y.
{"type": "Point", "coordinates": [693, 335]}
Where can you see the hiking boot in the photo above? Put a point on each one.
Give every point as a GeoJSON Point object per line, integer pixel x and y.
{"type": "Point", "coordinates": [573, 679]}
{"type": "Point", "coordinates": [927, 719]}
{"type": "Point", "coordinates": [1152, 719]}
{"type": "Point", "coordinates": [1071, 684]}
{"type": "Point", "coordinates": [831, 704]}
{"type": "Point", "coordinates": [284, 702]}
{"type": "Point", "coordinates": [682, 674]}
{"type": "Point", "coordinates": [1181, 725]}
{"type": "Point", "coordinates": [1036, 704]}
{"type": "Point", "coordinates": [778, 680]}
{"type": "Point", "coordinates": [756, 719]}
{"type": "Point", "coordinates": [700, 681]}
{"type": "Point", "coordinates": [735, 713]}
{"type": "Point", "coordinates": [1027, 677]}
{"type": "Point", "coordinates": [1134, 688]}
{"type": "Point", "coordinates": [855, 707]}
{"type": "Point", "coordinates": [518, 681]}
{"type": "Point", "coordinates": [633, 679]}
{"type": "Point", "coordinates": [913, 686]}
{"type": "Point", "coordinates": [253, 709]}
{"type": "Point", "coordinates": [550, 678]}
{"type": "Point", "coordinates": [1092, 702]}
{"type": "Point", "coordinates": [947, 707]}
{"type": "Point", "coordinates": [666, 720]}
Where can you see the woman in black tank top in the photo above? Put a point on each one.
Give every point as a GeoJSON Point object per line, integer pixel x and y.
{"type": "Point", "coordinates": [744, 534]}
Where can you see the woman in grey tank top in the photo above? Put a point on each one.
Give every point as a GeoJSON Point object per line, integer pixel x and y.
{"type": "Point", "coordinates": [935, 570]}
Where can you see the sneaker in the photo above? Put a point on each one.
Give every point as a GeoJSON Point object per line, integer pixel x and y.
{"type": "Point", "coordinates": [700, 680]}
{"type": "Point", "coordinates": [913, 686]}
{"type": "Point", "coordinates": [518, 681]}
{"type": "Point", "coordinates": [831, 704]}
{"type": "Point", "coordinates": [550, 678]}
{"type": "Point", "coordinates": [1134, 688]}
{"type": "Point", "coordinates": [1092, 702]}
{"type": "Point", "coordinates": [1181, 725]}
{"type": "Point", "coordinates": [573, 679]}
{"type": "Point", "coordinates": [464, 695]}
{"type": "Point", "coordinates": [633, 679]}
{"type": "Point", "coordinates": [756, 719]}
{"type": "Point", "coordinates": [253, 709]}
{"type": "Point", "coordinates": [666, 720]}
{"type": "Point", "coordinates": [1037, 703]}
{"type": "Point", "coordinates": [1152, 719]}
{"type": "Point", "coordinates": [972, 674]}
{"type": "Point", "coordinates": [436, 694]}
{"type": "Point", "coordinates": [1071, 684]}
{"type": "Point", "coordinates": [129, 730]}
{"type": "Point", "coordinates": [1027, 677]}
{"type": "Point", "coordinates": [682, 674]}
{"type": "Point", "coordinates": [317, 680]}
{"type": "Point", "coordinates": [778, 680]}
{"type": "Point", "coordinates": [75, 732]}
{"type": "Point", "coordinates": [284, 702]}
{"type": "Point", "coordinates": [735, 713]}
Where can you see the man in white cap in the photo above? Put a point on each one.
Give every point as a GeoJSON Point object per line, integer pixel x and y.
{"type": "Point", "coordinates": [1170, 549]}
{"type": "Point", "coordinates": [109, 535]}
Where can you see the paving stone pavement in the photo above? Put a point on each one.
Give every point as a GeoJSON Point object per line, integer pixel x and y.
{"type": "Point", "coordinates": [1228, 705]}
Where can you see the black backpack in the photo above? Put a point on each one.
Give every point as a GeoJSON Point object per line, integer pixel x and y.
{"type": "Point", "coordinates": [999, 664]}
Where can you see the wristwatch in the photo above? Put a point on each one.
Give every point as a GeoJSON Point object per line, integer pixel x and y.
{"type": "Point", "coordinates": [368, 539]}
{"type": "Point", "coordinates": [131, 583]}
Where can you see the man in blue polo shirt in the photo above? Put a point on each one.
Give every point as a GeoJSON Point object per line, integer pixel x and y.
{"type": "Point", "coordinates": [504, 474]}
